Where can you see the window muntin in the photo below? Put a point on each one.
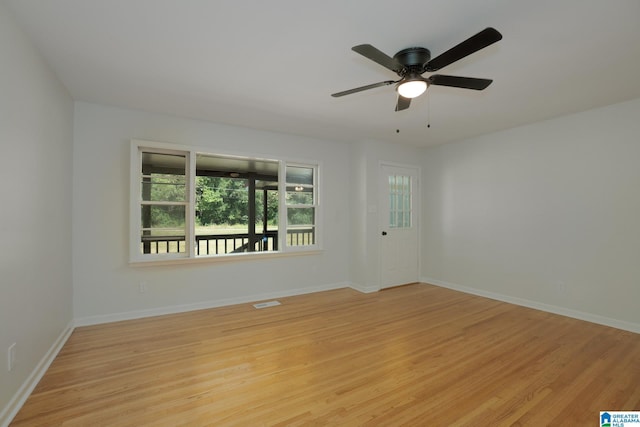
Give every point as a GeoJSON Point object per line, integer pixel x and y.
{"type": "Point", "coordinates": [182, 195]}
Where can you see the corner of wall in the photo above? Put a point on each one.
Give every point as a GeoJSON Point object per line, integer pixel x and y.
{"type": "Point", "coordinates": [21, 396]}
{"type": "Point", "coordinates": [562, 311]}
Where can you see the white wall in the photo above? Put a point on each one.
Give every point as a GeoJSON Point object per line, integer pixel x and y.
{"type": "Point", "coordinates": [547, 213]}
{"type": "Point", "coordinates": [106, 285]}
{"type": "Point", "coordinates": [36, 123]}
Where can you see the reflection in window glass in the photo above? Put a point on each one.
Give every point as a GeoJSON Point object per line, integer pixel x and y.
{"type": "Point", "coordinates": [163, 177]}
{"type": "Point", "coordinates": [300, 196]}
{"type": "Point", "coordinates": [300, 175]}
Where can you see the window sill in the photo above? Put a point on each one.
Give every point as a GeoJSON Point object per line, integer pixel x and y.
{"type": "Point", "coordinates": [223, 258]}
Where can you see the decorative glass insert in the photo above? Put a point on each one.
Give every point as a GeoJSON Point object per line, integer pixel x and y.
{"type": "Point", "coordinates": [399, 201]}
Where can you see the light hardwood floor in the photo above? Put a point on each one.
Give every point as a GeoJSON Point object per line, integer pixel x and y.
{"type": "Point", "coordinates": [416, 355]}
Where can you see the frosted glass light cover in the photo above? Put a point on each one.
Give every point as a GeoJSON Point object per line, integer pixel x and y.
{"type": "Point", "coordinates": [412, 89]}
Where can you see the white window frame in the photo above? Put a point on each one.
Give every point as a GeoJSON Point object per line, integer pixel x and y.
{"type": "Point", "coordinates": [136, 257]}
{"type": "Point", "coordinates": [283, 217]}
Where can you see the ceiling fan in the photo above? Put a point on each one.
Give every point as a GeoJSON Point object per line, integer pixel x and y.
{"type": "Point", "coordinates": [409, 64]}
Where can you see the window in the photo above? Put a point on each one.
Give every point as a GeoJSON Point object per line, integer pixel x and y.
{"type": "Point", "coordinates": [193, 204]}
{"type": "Point", "coordinates": [301, 201]}
{"type": "Point", "coordinates": [163, 202]}
{"type": "Point", "coordinates": [236, 205]}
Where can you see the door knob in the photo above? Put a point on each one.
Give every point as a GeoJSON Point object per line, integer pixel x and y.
{"type": "Point", "coordinates": [384, 233]}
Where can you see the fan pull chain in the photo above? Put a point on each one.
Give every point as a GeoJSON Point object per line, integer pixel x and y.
{"type": "Point", "coordinates": [428, 110]}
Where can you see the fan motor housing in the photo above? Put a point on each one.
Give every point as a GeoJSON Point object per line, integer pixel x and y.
{"type": "Point", "coordinates": [413, 56]}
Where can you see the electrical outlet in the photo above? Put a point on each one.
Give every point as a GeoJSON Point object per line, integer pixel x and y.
{"type": "Point", "coordinates": [559, 289]}
{"type": "Point", "coordinates": [11, 357]}
{"type": "Point", "coordinates": [142, 287]}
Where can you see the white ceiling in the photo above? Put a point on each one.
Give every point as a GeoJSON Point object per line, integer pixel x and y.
{"type": "Point", "coordinates": [273, 64]}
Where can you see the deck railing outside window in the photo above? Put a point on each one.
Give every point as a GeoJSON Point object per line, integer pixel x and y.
{"type": "Point", "coordinates": [216, 244]}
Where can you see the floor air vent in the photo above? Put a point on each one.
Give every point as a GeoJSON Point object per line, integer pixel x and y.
{"type": "Point", "coordinates": [266, 304]}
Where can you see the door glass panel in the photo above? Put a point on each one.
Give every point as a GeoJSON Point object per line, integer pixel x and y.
{"type": "Point", "coordinates": [399, 201]}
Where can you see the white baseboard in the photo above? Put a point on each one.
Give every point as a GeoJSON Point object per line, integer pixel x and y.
{"type": "Point", "coordinates": [580, 315]}
{"type": "Point", "coordinates": [138, 314]}
{"type": "Point", "coordinates": [14, 405]}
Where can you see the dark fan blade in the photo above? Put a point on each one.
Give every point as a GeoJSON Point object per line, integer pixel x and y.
{"type": "Point", "coordinates": [361, 88]}
{"type": "Point", "coordinates": [461, 82]}
{"type": "Point", "coordinates": [403, 103]}
{"type": "Point", "coordinates": [473, 44]}
{"type": "Point", "coordinates": [375, 55]}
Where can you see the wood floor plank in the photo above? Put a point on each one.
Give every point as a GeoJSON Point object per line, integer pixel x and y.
{"type": "Point", "coordinates": [396, 357]}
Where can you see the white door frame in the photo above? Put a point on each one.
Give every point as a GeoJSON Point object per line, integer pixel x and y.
{"type": "Point", "coordinates": [416, 209]}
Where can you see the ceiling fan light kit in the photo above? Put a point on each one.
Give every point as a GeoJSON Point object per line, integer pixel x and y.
{"type": "Point", "coordinates": [409, 64]}
{"type": "Point", "coordinates": [412, 88]}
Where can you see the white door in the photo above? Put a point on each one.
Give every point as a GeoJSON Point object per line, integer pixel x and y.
{"type": "Point", "coordinates": [398, 228]}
